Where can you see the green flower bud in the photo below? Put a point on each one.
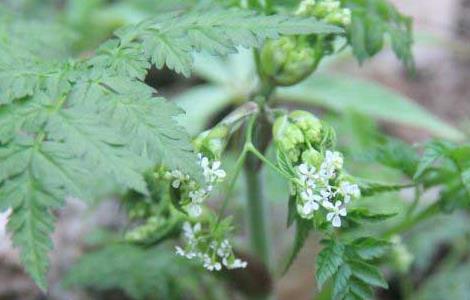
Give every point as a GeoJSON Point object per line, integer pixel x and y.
{"type": "Point", "coordinates": [212, 142]}
{"type": "Point", "coordinates": [312, 157]}
{"type": "Point", "coordinates": [306, 8]}
{"type": "Point", "coordinates": [288, 136]}
{"type": "Point", "coordinates": [309, 124]}
{"type": "Point", "coordinates": [288, 60]}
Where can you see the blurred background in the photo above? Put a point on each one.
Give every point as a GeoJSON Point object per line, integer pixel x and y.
{"type": "Point", "coordinates": [435, 101]}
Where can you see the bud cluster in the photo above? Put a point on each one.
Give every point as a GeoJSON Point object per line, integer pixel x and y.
{"type": "Point", "coordinates": [211, 251]}
{"type": "Point", "coordinates": [329, 11]}
{"type": "Point", "coordinates": [288, 60]}
{"type": "Point", "coordinates": [320, 184]}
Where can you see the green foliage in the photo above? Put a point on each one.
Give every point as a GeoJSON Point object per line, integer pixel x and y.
{"type": "Point", "coordinates": [349, 266]}
{"type": "Point", "coordinates": [343, 94]}
{"type": "Point", "coordinates": [172, 39]}
{"type": "Point", "coordinates": [371, 21]}
{"type": "Point", "coordinates": [97, 114]}
{"type": "Point", "coordinates": [154, 273]}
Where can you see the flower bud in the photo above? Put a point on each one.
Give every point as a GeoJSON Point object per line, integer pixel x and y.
{"type": "Point", "coordinates": [340, 18]}
{"type": "Point", "coordinates": [312, 157]}
{"type": "Point", "coordinates": [288, 60]}
{"type": "Point", "coordinates": [309, 124]}
{"type": "Point", "coordinates": [212, 142]}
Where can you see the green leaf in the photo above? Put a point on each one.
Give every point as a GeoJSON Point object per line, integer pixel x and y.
{"type": "Point", "coordinates": [328, 262]}
{"type": "Point", "coordinates": [367, 273]}
{"type": "Point", "coordinates": [342, 94]}
{"type": "Point", "coordinates": [361, 215]}
{"type": "Point", "coordinates": [432, 152]}
{"type": "Point", "coordinates": [302, 231]}
{"type": "Point", "coordinates": [371, 21]}
{"type": "Point", "coordinates": [370, 188]}
{"type": "Point", "coordinates": [361, 290]}
{"type": "Point", "coordinates": [341, 282]}
{"type": "Point", "coordinates": [370, 248]}
{"type": "Point", "coordinates": [171, 39]}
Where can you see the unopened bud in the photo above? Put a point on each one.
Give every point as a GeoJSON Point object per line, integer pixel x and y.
{"type": "Point", "coordinates": [309, 124]}
{"type": "Point", "coordinates": [288, 60]}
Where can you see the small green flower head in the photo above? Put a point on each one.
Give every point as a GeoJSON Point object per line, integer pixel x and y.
{"type": "Point", "coordinates": [288, 60]}
{"type": "Point", "coordinates": [309, 124]}
{"type": "Point", "coordinates": [325, 7]}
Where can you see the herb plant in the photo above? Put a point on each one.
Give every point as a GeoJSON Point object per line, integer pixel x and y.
{"type": "Point", "coordinates": [89, 125]}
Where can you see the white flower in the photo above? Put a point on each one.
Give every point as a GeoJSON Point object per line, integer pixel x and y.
{"type": "Point", "coordinates": [349, 190]}
{"type": "Point", "coordinates": [177, 176]}
{"type": "Point", "coordinates": [224, 249]}
{"type": "Point", "coordinates": [194, 210]}
{"type": "Point", "coordinates": [307, 174]}
{"type": "Point", "coordinates": [190, 232]}
{"type": "Point", "coordinates": [236, 264]}
{"type": "Point", "coordinates": [212, 171]}
{"type": "Point", "coordinates": [180, 251]}
{"type": "Point", "coordinates": [334, 158]}
{"type": "Point", "coordinates": [198, 196]}
{"type": "Point", "coordinates": [336, 212]}
{"type": "Point", "coordinates": [210, 264]}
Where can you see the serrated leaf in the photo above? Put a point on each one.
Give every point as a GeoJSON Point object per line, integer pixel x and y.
{"type": "Point", "coordinates": [341, 282]}
{"type": "Point", "coordinates": [369, 188]}
{"type": "Point", "coordinates": [369, 248]}
{"type": "Point", "coordinates": [362, 215]}
{"type": "Point", "coordinates": [328, 262]}
{"type": "Point", "coordinates": [171, 39]}
{"type": "Point", "coordinates": [367, 273]}
{"type": "Point", "coordinates": [432, 152]}
{"type": "Point", "coordinates": [373, 19]}
{"type": "Point", "coordinates": [284, 163]}
{"type": "Point", "coordinates": [302, 231]}
{"type": "Point", "coordinates": [361, 290]}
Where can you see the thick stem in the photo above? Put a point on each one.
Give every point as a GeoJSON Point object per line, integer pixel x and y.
{"type": "Point", "coordinates": [256, 213]}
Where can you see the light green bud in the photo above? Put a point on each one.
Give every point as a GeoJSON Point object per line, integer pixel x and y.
{"type": "Point", "coordinates": [309, 124]}
{"type": "Point", "coordinates": [312, 157]}
{"type": "Point", "coordinates": [340, 18]}
{"type": "Point", "coordinates": [305, 8]}
{"type": "Point", "coordinates": [288, 60]}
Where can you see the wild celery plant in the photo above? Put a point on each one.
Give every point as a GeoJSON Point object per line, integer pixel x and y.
{"type": "Point", "coordinates": [66, 121]}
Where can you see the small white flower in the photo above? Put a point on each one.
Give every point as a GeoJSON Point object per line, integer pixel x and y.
{"type": "Point", "coordinates": [307, 174]}
{"type": "Point", "coordinates": [236, 264]}
{"type": "Point", "coordinates": [212, 172]}
{"type": "Point", "coordinates": [224, 249]}
{"type": "Point", "coordinates": [349, 190]}
{"type": "Point", "coordinates": [180, 251]}
{"type": "Point", "coordinates": [336, 212]}
{"type": "Point", "coordinates": [334, 158]}
{"type": "Point", "coordinates": [211, 265]}
{"type": "Point", "coordinates": [194, 210]}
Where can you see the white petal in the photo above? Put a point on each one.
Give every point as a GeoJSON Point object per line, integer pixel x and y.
{"type": "Point", "coordinates": [216, 164]}
{"type": "Point", "coordinates": [343, 212]}
{"type": "Point", "coordinates": [327, 205]}
{"type": "Point", "coordinates": [336, 221]}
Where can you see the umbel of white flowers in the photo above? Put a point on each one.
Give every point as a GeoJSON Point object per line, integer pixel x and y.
{"type": "Point", "coordinates": [213, 254]}
{"type": "Point", "coordinates": [318, 188]}
{"type": "Point", "coordinates": [213, 174]}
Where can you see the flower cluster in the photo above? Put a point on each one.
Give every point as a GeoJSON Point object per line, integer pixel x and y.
{"type": "Point", "coordinates": [193, 194]}
{"type": "Point", "coordinates": [321, 185]}
{"type": "Point", "coordinates": [212, 253]}
{"type": "Point", "coordinates": [328, 10]}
